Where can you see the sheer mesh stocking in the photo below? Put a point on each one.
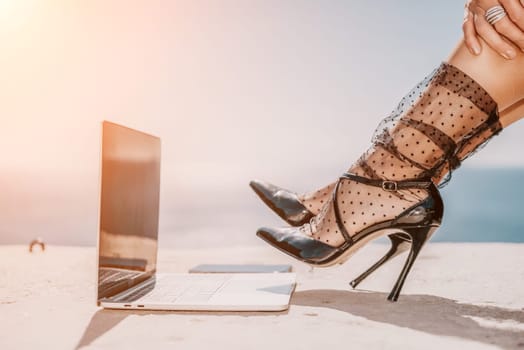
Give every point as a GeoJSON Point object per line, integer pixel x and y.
{"type": "Point", "coordinates": [442, 121]}
{"type": "Point", "coordinates": [314, 201]}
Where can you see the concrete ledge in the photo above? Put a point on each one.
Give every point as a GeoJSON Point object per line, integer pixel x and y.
{"type": "Point", "coordinates": [466, 296]}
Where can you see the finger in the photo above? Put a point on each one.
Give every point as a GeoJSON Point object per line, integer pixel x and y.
{"type": "Point", "coordinates": [492, 38]}
{"type": "Point", "coordinates": [513, 33]}
{"type": "Point", "coordinates": [470, 34]}
{"type": "Point", "coordinates": [515, 10]}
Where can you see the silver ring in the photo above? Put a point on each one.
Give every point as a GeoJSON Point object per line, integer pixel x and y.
{"type": "Point", "coordinates": [495, 14]}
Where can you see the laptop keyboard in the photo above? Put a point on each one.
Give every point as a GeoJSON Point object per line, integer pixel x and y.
{"type": "Point", "coordinates": [114, 275]}
{"type": "Point", "coordinates": [178, 289]}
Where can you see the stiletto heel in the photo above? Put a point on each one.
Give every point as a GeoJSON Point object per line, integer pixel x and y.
{"type": "Point", "coordinates": [419, 236]}
{"type": "Point", "coordinates": [399, 244]}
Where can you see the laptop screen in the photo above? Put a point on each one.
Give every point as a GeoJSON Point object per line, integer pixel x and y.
{"type": "Point", "coordinates": [129, 206]}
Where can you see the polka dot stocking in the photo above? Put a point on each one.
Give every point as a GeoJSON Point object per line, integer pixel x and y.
{"type": "Point", "coordinates": [442, 121]}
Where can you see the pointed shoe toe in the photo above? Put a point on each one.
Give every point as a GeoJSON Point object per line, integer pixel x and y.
{"type": "Point", "coordinates": [294, 242]}
{"type": "Point", "coordinates": [284, 203]}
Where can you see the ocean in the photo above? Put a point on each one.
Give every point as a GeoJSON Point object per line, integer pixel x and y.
{"type": "Point", "coordinates": [481, 205]}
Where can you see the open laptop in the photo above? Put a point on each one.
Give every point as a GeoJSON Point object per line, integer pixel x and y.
{"type": "Point", "coordinates": [127, 242]}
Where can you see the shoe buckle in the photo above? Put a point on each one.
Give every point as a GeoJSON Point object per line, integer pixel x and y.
{"type": "Point", "coordinates": [390, 186]}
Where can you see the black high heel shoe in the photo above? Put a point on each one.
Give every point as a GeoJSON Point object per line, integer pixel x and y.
{"type": "Point", "coordinates": [287, 205]}
{"type": "Point", "coordinates": [414, 226]}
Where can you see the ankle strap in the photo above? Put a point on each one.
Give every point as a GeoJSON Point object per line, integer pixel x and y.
{"type": "Point", "coordinates": [388, 185]}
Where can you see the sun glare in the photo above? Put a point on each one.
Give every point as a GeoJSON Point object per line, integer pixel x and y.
{"type": "Point", "coordinates": [15, 13]}
{"type": "Point", "coordinates": [6, 6]}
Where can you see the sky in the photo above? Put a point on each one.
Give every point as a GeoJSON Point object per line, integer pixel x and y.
{"type": "Point", "coordinates": [288, 91]}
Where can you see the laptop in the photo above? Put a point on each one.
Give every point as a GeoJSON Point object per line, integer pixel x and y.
{"type": "Point", "coordinates": [128, 242]}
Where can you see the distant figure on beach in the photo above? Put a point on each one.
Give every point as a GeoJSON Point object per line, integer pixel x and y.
{"type": "Point", "coordinates": [393, 188]}
{"type": "Point", "coordinates": [37, 242]}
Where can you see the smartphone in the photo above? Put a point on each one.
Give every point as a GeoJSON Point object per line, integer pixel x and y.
{"type": "Point", "coordinates": [232, 268]}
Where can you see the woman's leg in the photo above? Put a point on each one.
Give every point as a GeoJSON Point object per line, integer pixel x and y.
{"type": "Point", "coordinates": [441, 122]}
{"type": "Point", "coordinates": [390, 188]}
{"type": "Point", "coordinates": [503, 79]}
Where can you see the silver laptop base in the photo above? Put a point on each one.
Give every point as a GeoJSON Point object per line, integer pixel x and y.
{"type": "Point", "coordinates": [216, 292]}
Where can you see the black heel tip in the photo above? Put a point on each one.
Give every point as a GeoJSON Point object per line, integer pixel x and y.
{"type": "Point", "coordinates": [353, 284]}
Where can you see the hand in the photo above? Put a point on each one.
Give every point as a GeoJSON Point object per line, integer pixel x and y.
{"type": "Point", "coordinates": [505, 37]}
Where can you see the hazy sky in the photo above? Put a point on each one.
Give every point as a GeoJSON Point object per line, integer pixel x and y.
{"type": "Point", "coordinates": [289, 91]}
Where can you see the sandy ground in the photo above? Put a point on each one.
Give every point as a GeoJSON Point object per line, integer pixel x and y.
{"type": "Point", "coordinates": [458, 296]}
